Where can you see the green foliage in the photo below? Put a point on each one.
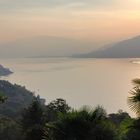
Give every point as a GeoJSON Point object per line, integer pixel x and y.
{"type": "Point", "coordinates": [81, 125]}
{"type": "Point", "coordinates": [56, 107]}
{"type": "Point", "coordinates": [2, 98]}
{"type": "Point", "coordinates": [134, 100]}
{"type": "Point", "coordinates": [33, 121]}
{"type": "Point", "coordinates": [9, 129]}
{"type": "Point", "coordinates": [25, 117]}
{"type": "Point", "coordinates": [122, 121]}
{"type": "Point", "coordinates": [134, 131]}
{"type": "Point", "coordinates": [17, 98]}
{"type": "Point", "coordinates": [118, 118]}
{"type": "Point", "coordinates": [125, 127]}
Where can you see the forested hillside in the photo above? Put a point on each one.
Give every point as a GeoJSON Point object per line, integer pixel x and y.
{"type": "Point", "coordinates": [18, 97]}
{"type": "Point", "coordinates": [129, 48]}
{"type": "Point", "coordinates": [24, 116]}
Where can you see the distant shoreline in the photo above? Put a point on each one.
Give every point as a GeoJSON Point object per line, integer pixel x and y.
{"type": "Point", "coordinates": [4, 71]}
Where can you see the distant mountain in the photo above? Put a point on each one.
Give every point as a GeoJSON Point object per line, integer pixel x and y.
{"type": "Point", "coordinates": [4, 71]}
{"type": "Point", "coordinates": [18, 98]}
{"type": "Point", "coordinates": [125, 49]}
{"type": "Point", "coordinates": [43, 46]}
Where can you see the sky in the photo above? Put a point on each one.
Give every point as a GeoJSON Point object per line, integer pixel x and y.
{"type": "Point", "coordinates": [97, 21]}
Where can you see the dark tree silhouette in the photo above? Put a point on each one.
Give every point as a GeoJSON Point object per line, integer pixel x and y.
{"type": "Point", "coordinates": [81, 125]}
{"type": "Point", "coordinates": [2, 98]}
{"type": "Point", "coordinates": [33, 121]}
{"type": "Point", "coordinates": [134, 100]}
{"type": "Point", "coordinates": [54, 108]}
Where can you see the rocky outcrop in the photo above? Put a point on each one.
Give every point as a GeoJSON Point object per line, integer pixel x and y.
{"type": "Point", "coordinates": [4, 71]}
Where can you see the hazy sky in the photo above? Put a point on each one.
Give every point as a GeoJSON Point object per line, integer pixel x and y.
{"type": "Point", "coordinates": [99, 21]}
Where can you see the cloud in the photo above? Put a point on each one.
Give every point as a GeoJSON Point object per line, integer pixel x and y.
{"type": "Point", "coordinates": [68, 18]}
{"type": "Point", "coordinates": [45, 6]}
{"type": "Point", "coordinates": [17, 5]}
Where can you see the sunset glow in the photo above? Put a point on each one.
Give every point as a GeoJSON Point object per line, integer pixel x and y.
{"type": "Point", "coordinates": [98, 21]}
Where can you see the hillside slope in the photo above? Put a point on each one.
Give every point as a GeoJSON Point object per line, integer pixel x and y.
{"type": "Point", "coordinates": [125, 49]}
{"type": "Point", "coordinates": [43, 46]}
{"type": "Point", "coordinates": [18, 97]}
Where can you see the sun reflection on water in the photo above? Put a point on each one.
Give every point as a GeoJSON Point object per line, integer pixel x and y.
{"type": "Point", "coordinates": [136, 62]}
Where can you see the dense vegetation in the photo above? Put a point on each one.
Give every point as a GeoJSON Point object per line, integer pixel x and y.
{"type": "Point", "coordinates": [17, 98]}
{"type": "Point", "coordinates": [24, 116]}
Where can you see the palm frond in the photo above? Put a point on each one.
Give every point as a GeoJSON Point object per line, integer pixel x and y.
{"type": "Point", "coordinates": [134, 100]}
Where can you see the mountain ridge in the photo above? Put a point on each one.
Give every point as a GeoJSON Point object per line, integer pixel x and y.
{"type": "Point", "coordinates": [129, 48]}
{"type": "Point", "coordinates": [43, 46]}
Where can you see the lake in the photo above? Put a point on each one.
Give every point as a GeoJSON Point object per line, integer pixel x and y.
{"type": "Point", "coordinates": [92, 82]}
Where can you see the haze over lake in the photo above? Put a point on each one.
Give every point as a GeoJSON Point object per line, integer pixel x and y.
{"type": "Point", "coordinates": [81, 82]}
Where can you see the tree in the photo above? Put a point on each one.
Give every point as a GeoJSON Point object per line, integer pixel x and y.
{"type": "Point", "coordinates": [134, 100]}
{"type": "Point", "coordinates": [81, 125]}
{"type": "Point", "coordinates": [9, 129]}
{"type": "Point", "coordinates": [134, 131]}
{"type": "Point", "coordinates": [2, 97]}
{"type": "Point", "coordinates": [33, 121]}
{"type": "Point", "coordinates": [118, 118]}
{"type": "Point", "coordinates": [54, 108]}
{"type": "Point", "coordinates": [134, 104]}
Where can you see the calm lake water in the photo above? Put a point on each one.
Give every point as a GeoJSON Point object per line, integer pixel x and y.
{"type": "Point", "coordinates": [92, 82]}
